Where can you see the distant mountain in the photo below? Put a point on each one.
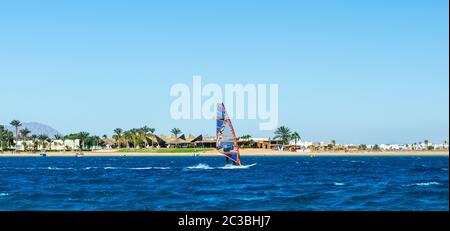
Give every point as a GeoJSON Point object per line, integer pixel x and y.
{"type": "Point", "coordinates": [36, 129]}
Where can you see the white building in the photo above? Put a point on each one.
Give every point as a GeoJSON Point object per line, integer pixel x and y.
{"type": "Point", "coordinates": [440, 146]}
{"type": "Point", "coordinates": [55, 145]}
{"type": "Point", "coordinates": [301, 143]}
{"type": "Point", "coordinates": [394, 147]}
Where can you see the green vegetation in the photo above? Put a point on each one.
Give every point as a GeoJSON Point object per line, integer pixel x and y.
{"type": "Point", "coordinates": [376, 147]}
{"type": "Point", "coordinates": [283, 134]}
{"type": "Point", "coordinates": [166, 150]}
{"type": "Point", "coordinates": [6, 139]}
{"type": "Point", "coordinates": [24, 133]}
{"type": "Point", "coordinates": [296, 137]}
{"type": "Point", "coordinates": [136, 138]}
{"type": "Point", "coordinates": [362, 147]}
{"type": "Point", "coordinates": [248, 141]}
{"type": "Point", "coordinates": [175, 132]}
{"type": "Point", "coordinates": [245, 137]}
{"type": "Point", "coordinates": [16, 124]}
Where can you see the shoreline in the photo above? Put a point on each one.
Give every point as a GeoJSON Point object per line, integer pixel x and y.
{"type": "Point", "coordinates": [244, 152]}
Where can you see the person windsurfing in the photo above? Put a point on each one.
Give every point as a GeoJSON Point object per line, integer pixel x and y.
{"type": "Point", "coordinates": [226, 141]}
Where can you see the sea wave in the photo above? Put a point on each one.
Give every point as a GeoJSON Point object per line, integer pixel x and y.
{"type": "Point", "coordinates": [56, 168]}
{"type": "Point", "coordinates": [111, 168]}
{"type": "Point", "coordinates": [136, 168]}
{"type": "Point", "coordinates": [148, 168]}
{"type": "Point", "coordinates": [89, 168]}
{"type": "Point", "coordinates": [424, 183]}
{"type": "Point", "coordinates": [141, 168]}
{"type": "Point", "coordinates": [9, 168]}
{"type": "Point", "coordinates": [229, 166]}
{"type": "Point", "coordinates": [200, 166]}
{"type": "Point", "coordinates": [162, 168]}
{"type": "Point", "coordinates": [4, 194]}
{"type": "Point", "coordinates": [338, 184]}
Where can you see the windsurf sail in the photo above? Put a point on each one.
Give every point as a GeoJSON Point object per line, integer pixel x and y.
{"type": "Point", "coordinates": [226, 141]}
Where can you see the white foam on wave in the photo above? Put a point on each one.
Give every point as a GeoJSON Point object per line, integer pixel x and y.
{"type": "Point", "coordinates": [148, 168]}
{"type": "Point", "coordinates": [338, 184]}
{"type": "Point", "coordinates": [200, 166]}
{"type": "Point", "coordinates": [4, 194]}
{"type": "Point", "coordinates": [425, 183]}
{"type": "Point", "coordinates": [110, 168]}
{"type": "Point", "coordinates": [161, 168]}
{"type": "Point", "coordinates": [229, 166]}
{"type": "Point", "coordinates": [89, 168]}
{"type": "Point", "coordinates": [56, 168]}
{"type": "Point", "coordinates": [8, 168]}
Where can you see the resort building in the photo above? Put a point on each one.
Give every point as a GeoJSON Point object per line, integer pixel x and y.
{"type": "Point", "coordinates": [443, 146]}
{"type": "Point", "coordinates": [301, 143]}
{"type": "Point", "coordinates": [55, 145]}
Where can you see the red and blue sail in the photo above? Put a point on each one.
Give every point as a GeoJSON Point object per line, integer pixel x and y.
{"type": "Point", "coordinates": [225, 137]}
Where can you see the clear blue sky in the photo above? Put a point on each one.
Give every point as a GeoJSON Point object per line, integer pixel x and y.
{"type": "Point", "coordinates": [354, 71]}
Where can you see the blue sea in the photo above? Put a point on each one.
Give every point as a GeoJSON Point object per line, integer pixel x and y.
{"type": "Point", "coordinates": [205, 183]}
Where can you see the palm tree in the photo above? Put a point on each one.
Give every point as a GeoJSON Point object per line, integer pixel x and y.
{"type": "Point", "coordinates": [118, 131]}
{"type": "Point", "coordinates": [333, 143]}
{"type": "Point", "coordinates": [83, 136]}
{"type": "Point", "coordinates": [6, 138]}
{"type": "Point", "coordinates": [134, 135]}
{"type": "Point", "coordinates": [152, 133]}
{"type": "Point", "coordinates": [35, 140]}
{"type": "Point", "coordinates": [93, 141]}
{"type": "Point", "coordinates": [127, 137]}
{"type": "Point", "coordinates": [42, 139]}
{"type": "Point", "coordinates": [16, 124]}
{"type": "Point", "coordinates": [296, 137]}
{"type": "Point", "coordinates": [376, 147]}
{"type": "Point", "coordinates": [283, 134]}
{"type": "Point", "coordinates": [24, 133]}
{"type": "Point", "coordinates": [24, 136]}
{"type": "Point", "coordinates": [176, 132]}
{"type": "Point", "coordinates": [49, 140]}
{"type": "Point", "coordinates": [61, 137]}
{"type": "Point", "coordinates": [245, 137]}
{"type": "Point", "coordinates": [118, 136]}
{"type": "Point", "coordinates": [145, 132]}
{"type": "Point", "coordinates": [3, 133]}
{"type": "Point", "coordinates": [362, 147]}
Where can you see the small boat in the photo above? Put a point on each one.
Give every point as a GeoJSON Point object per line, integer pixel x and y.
{"type": "Point", "coordinates": [196, 154]}
{"type": "Point", "coordinates": [43, 153]}
{"type": "Point", "coordinates": [80, 154]}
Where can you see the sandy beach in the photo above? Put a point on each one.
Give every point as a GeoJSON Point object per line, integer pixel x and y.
{"type": "Point", "coordinates": [244, 152]}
